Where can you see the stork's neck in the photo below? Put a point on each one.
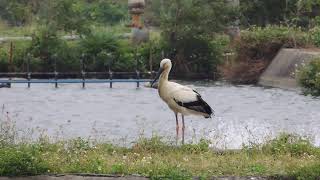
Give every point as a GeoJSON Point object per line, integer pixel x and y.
{"type": "Point", "coordinates": [164, 76]}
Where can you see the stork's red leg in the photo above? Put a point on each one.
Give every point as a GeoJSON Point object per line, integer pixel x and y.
{"type": "Point", "coordinates": [177, 127]}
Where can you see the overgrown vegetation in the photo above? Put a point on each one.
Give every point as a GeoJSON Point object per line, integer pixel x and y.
{"type": "Point", "coordinates": [190, 28]}
{"type": "Point", "coordinates": [285, 156]}
{"type": "Point", "coordinates": [258, 46]}
{"type": "Point", "coordinates": [309, 77]}
{"type": "Point", "coordinates": [293, 12]}
{"type": "Point", "coordinates": [191, 34]}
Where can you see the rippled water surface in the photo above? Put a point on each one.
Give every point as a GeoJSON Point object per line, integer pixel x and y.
{"type": "Point", "coordinates": [243, 113]}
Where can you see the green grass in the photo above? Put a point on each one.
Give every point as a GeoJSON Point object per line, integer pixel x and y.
{"type": "Point", "coordinates": [7, 31]}
{"type": "Point", "coordinates": [287, 155]}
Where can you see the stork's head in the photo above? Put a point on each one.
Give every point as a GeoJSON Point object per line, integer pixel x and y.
{"type": "Point", "coordinates": [165, 64]}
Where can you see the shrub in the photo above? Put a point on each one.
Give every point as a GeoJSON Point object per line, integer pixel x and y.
{"type": "Point", "coordinates": [107, 11]}
{"type": "Point", "coordinates": [289, 144]}
{"type": "Point", "coordinates": [309, 77]}
{"type": "Point", "coordinates": [315, 36]}
{"type": "Point", "coordinates": [190, 33]}
{"type": "Point", "coordinates": [19, 51]}
{"type": "Point", "coordinates": [258, 42]}
{"type": "Point", "coordinates": [154, 48]}
{"type": "Point", "coordinates": [45, 45]}
{"type": "Point", "coordinates": [47, 48]}
{"type": "Point", "coordinates": [104, 48]}
{"type": "Point", "coordinates": [15, 161]}
{"type": "Point", "coordinates": [311, 171]}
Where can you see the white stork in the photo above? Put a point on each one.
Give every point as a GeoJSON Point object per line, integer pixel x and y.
{"type": "Point", "coordinates": [180, 99]}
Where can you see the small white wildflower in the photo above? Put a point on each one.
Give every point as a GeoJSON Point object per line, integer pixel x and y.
{"type": "Point", "coordinates": [186, 159]}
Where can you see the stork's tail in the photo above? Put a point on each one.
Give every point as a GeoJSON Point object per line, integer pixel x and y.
{"type": "Point", "coordinates": [207, 109]}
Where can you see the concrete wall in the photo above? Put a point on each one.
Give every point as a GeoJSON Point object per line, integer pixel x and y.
{"type": "Point", "coordinates": [281, 72]}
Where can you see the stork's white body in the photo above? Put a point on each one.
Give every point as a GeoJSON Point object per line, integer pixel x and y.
{"type": "Point", "coordinates": [170, 92]}
{"type": "Point", "coordinates": [180, 99]}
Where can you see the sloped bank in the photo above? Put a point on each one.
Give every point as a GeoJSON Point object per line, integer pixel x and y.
{"type": "Point", "coordinates": [256, 49]}
{"type": "Point", "coordinates": [281, 72]}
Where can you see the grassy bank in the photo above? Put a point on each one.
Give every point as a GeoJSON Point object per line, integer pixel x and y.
{"type": "Point", "coordinates": [286, 155]}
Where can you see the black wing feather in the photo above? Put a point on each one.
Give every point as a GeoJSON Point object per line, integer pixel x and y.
{"type": "Point", "coordinates": [199, 105]}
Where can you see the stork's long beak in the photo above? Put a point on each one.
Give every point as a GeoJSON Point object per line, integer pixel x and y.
{"type": "Point", "coordinates": [157, 76]}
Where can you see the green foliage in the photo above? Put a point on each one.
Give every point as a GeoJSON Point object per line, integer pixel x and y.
{"type": "Point", "coordinates": [21, 160]}
{"type": "Point", "coordinates": [258, 38]}
{"type": "Point", "coordinates": [258, 46]}
{"type": "Point", "coordinates": [309, 77]}
{"type": "Point", "coordinates": [201, 147]}
{"type": "Point", "coordinates": [66, 15]}
{"type": "Point", "coordinates": [266, 12]}
{"type": "Point", "coordinates": [315, 35]}
{"type": "Point", "coordinates": [104, 48]}
{"type": "Point", "coordinates": [289, 144]}
{"type": "Point", "coordinates": [257, 169]}
{"type": "Point", "coordinates": [309, 172]}
{"type": "Point", "coordinates": [19, 51]}
{"type": "Point", "coordinates": [107, 11]}
{"type": "Point", "coordinates": [189, 27]}
{"type": "Point", "coordinates": [288, 155]}
{"type": "Point", "coordinates": [15, 12]}
{"type": "Point", "coordinates": [155, 144]}
{"type": "Point", "coordinates": [45, 47]}
{"type": "Point", "coordinates": [152, 49]}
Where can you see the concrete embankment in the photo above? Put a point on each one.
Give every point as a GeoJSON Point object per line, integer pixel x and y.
{"type": "Point", "coordinates": [281, 72]}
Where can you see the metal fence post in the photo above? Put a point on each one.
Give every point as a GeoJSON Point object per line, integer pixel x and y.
{"type": "Point", "coordinates": [28, 70]}
{"type": "Point", "coordinates": [55, 70]}
{"type": "Point", "coordinates": [83, 74]}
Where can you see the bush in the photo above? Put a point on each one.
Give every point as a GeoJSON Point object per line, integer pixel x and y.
{"type": "Point", "coordinates": [190, 33]}
{"type": "Point", "coordinates": [311, 172]}
{"type": "Point", "coordinates": [154, 48]}
{"type": "Point", "coordinates": [107, 11]}
{"type": "Point", "coordinates": [47, 48]}
{"type": "Point", "coordinates": [104, 48]}
{"type": "Point", "coordinates": [19, 51]}
{"type": "Point", "coordinates": [289, 144]}
{"type": "Point", "coordinates": [309, 77]}
{"type": "Point", "coordinates": [17, 161]}
{"type": "Point", "coordinates": [258, 42]}
{"type": "Point", "coordinates": [315, 35]}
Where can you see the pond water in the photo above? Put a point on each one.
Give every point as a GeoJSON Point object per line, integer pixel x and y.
{"type": "Point", "coordinates": [243, 114]}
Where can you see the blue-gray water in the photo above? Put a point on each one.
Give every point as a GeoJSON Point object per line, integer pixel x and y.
{"type": "Point", "coordinates": [243, 113]}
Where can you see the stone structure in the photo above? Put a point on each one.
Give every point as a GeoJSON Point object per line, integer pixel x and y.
{"type": "Point", "coordinates": [281, 72]}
